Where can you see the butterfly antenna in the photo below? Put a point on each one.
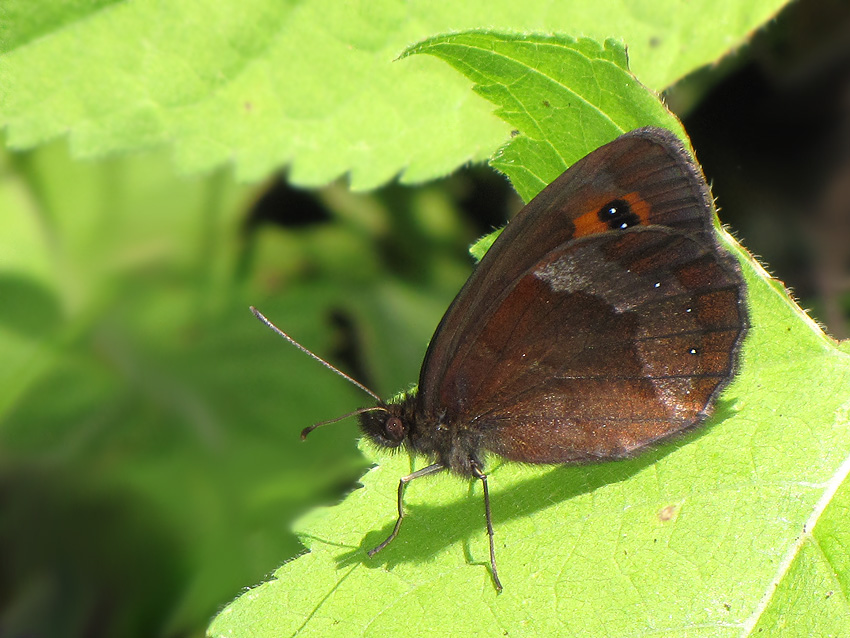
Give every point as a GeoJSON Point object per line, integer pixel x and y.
{"type": "Point", "coordinates": [310, 428]}
{"type": "Point", "coordinates": [259, 315]}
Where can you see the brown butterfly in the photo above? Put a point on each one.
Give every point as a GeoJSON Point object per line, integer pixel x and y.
{"type": "Point", "coordinates": [605, 318]}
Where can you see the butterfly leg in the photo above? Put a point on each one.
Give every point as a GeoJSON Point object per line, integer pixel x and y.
{"type": "Point", "coordinates": [476, 469]}
{"type": "Point", "coordinates": [425, 471]}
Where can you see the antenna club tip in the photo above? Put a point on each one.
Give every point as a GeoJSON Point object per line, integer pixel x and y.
{"type": "Point", "coordinates": [306, 431]}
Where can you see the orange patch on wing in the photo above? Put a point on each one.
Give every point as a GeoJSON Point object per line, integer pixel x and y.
{"type": "Point", "coordinates": [589, 223]}
{"type": "Point", "coordinates": [640, 207]}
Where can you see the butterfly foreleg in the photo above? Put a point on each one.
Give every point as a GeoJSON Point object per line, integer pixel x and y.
{"type": "Point", "coordinates": [425, 471]}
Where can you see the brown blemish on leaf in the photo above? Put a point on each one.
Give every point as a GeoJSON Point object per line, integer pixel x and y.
{"type": "Point", "coordinates": [667, 513]}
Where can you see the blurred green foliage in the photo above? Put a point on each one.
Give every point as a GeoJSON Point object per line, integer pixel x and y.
{"type": "Point", "coordinates": [150, 463]}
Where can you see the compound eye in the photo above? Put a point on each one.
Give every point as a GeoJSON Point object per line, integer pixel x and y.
{"type": "Point", "coordinates": [395, 428]}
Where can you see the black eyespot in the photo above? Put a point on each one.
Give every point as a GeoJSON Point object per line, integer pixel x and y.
{"type": "Point", "coordinates": [618, 215]}
{"type": "Point", "coordinates": [395, 429]}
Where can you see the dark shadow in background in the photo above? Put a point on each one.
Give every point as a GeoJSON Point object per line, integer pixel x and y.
{"type": "Point", "coordinates": [773, 137]}
{"type": "Point", "coordinates": [78, 560]}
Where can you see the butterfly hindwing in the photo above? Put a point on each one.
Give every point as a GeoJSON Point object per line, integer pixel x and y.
{"type": "Point", "coordinates": [594, 367]}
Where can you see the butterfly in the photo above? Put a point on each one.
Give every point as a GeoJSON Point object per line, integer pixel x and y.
{"type": "Point", "coordinates": [606, 317]}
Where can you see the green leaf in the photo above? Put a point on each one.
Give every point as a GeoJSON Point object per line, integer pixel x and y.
{"type": "Point", "coordinates": [263, 83]}
{"type": "Point", "coordinates": [149, 424]}
{"type": "Point", "coordinates": [735, 529]}
{"type": "Point", "coordinates": [565, 96]}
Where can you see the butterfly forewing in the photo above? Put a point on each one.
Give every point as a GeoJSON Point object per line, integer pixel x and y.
{"type": "Point", "coordinates": [616, 338]}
